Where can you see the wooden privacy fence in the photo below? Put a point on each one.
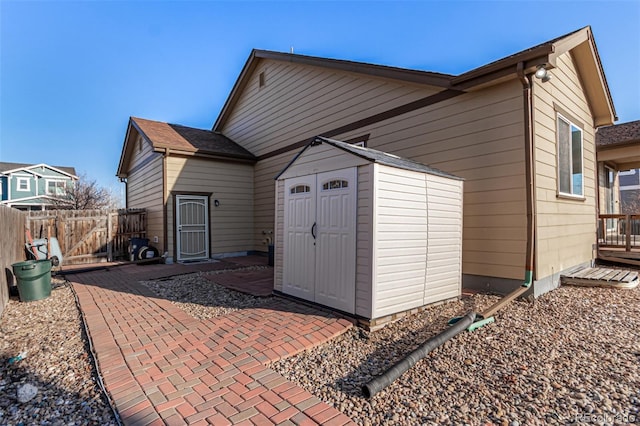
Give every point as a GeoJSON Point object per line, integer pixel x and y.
{"type": "Point", "coordinates": [11, 248]}
{"type": "Point", "coordinates": [89, 236]}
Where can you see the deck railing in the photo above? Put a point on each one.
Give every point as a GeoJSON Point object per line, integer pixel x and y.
{"type": "Point", "coordinates": [619, 231]}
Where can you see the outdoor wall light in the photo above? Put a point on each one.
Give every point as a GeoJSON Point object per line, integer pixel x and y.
{"type": "Point", "coordinates": [542, 74]}
{"type": "Point", "coordinates": [216, 203]}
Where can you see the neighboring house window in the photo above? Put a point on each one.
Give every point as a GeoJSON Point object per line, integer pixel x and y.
{"type": "Point", "coordinates": [570, 172]}
{"type": "Point", "coordinates": [56, 187]}
{"type": "Point", "coordinates": [24, 184]}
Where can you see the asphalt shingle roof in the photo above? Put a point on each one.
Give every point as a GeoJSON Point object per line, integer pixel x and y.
{"type": "Point", "coordinates": [618, 134]}
{"type": "Point", "coordinates": [189, 139]}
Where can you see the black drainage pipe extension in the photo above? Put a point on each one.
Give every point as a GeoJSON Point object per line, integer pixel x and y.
{"type": "Point", "coordinates": [389, 376]}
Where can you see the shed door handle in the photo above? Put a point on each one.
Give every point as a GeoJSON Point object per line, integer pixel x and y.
{"type": "Point", "coordinates": [313, 230]}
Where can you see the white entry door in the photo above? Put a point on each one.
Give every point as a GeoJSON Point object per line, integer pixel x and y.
{"type": "Point", "coordinates": [320, 238]}
{"type": "Point", "coordinates": [192, 222]}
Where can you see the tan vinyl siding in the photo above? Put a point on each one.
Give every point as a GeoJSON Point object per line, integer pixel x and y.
{"type": "Point", "coordinates": [565, 227]}
{"type": "Point", "coordinates": [264, 174]}
{"type": "Point", "coordinates": [478, 136]}
{"type": "Point", "coordinates": [300, 102]}
{"type": "Point", "coordinates": [365, 234]}
{"type": "Point", "coordinates": [231, 183]}
{"type": "Point", "coordinates": [144, 190]}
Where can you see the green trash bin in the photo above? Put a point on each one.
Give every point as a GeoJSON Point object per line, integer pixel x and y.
{"type": "Point", "coordinates": [33, 278]}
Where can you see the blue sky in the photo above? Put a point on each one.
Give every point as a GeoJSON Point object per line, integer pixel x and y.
{"type": "Point", "coordinates": [71, 73]}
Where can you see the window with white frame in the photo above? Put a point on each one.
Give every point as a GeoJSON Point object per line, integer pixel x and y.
{"type": "Point", "coordinates": [24, 184]}
{"type": "Point", "coordinates": [56, 187]}
{"type": "Point", "coordinates": [570, 164]}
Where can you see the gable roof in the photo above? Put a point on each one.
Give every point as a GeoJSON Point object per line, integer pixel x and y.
{"type": "Point", "coordinates": [181, 140]}
{"type": "Point", "coordinates": [10, 167]}
{"type": "Point", "coordinates": [374, 156]}
{"type": "Point", "coordinates": [580, 42]}
{"type": "Point", "coordinates": [619, 134]}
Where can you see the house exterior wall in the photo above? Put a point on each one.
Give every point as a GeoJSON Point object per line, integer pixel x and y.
{"type": "Point", "coordinates": [231, 183]}
{"type": "Point", "coordinates": [478, 136]}
{"type": "Point", "coordinates": [296, 103]}
{"type": "Point", "coordinates": [144, 190]}
{"type": "Point", "coordinates": [302, 101]}
{"type": "Point", "coordinates": [565, 227]}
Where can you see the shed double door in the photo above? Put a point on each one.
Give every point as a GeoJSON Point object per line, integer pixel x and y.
{"type": "Point", "coordinates": [320, 238]}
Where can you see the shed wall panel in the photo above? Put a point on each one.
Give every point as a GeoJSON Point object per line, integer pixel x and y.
{"type": "Point", "coordinates": [401, 247]}
{"type": "Point", "coordinates": [364, 241]}
{"type": "Point", "coordinates": [444, 256]}
{"type": "Point", "coordinates": [278, 236]}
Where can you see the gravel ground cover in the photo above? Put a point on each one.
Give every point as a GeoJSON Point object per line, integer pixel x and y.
{"type": "Point", "coordinates": [202, 298]}
{"type": "Point", "coordinates": [56, 370]}
{"type": "Point", "coordinates": [572, 356]}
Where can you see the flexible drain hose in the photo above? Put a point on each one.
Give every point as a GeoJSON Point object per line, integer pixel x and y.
{"type": "Point", "coordinates": [389, 376]}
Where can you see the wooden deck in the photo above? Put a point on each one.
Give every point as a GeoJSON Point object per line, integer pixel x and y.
{"type": "Point", "coordinates": [602, 277]}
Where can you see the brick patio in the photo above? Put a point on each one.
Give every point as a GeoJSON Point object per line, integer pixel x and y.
{"type": "Point", "coordinates": [161, 366]}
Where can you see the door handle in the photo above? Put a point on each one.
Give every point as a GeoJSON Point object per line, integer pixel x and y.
{"type": "Point", "coordinates": [313, 230]}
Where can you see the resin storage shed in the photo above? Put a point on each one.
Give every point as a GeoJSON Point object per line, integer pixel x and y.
{"type": "Point", "coordinates": [365, 232]}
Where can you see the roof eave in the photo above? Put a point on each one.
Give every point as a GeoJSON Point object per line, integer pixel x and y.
{"type": "Point", "coordinates": [238, 87]}
{"type": "Point", "coordinates": [203, 153]}
{"type": "Point", "coordinates": [502, 68]}
{"type": "Point", "coordinates": [582, 46]}
{"type": "Point", "coordinates": [585, 54]}
{"type": "Point", "coordinates": [120, 172]}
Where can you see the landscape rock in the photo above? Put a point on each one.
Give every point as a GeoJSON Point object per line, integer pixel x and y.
{"type": "Point", "coordinates": [26, 392]}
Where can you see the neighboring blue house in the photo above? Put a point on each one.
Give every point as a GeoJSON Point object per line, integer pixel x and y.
{"type": "Point", "coordinates": [34, 186]}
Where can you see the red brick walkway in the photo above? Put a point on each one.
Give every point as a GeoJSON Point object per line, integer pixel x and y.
{"type": "Point", "coordinates": [161, 366]}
